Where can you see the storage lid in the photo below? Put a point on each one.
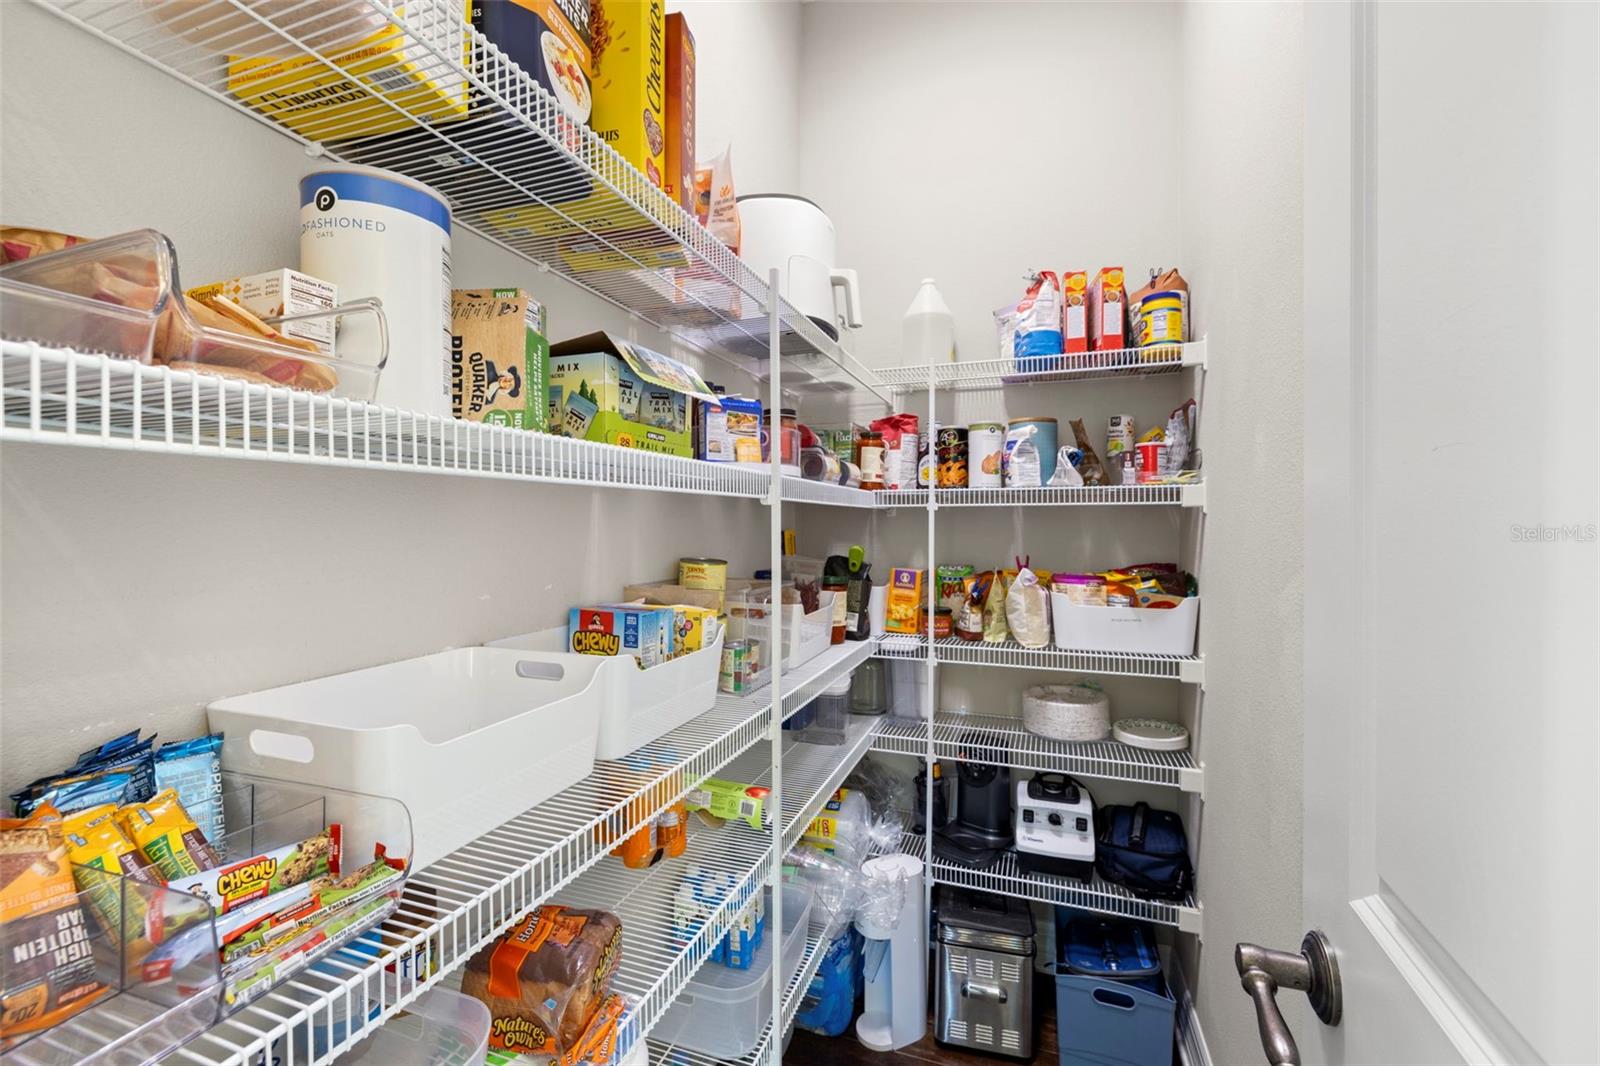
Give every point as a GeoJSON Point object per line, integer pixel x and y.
{"type": "Point", "coordinates": [983, 912]}
{"type": "Point", "coordinates": [1108, 947]}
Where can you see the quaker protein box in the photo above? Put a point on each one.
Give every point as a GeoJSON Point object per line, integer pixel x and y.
{"type": "Point", "coordinates": [499, 358]}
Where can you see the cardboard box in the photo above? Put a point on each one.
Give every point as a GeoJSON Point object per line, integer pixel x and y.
{"type": "Point", "coordinates": [1108, 310]}
{"type": "Point", "coordinates": [499, 358]}
{"type": "Point", "coordinates": [282, 292]}
{"type": "Point", "coordinates": [1074, 311]}
{"type": "Point", "coordinates": [904, 600]}
{"type": "Point", "coordinates": [640, 632]}
{"type": "Point", "coordinates": [550, 40]}
{"type": "Point", "coordinates": [678, 170]}
{"type": "Point", "coordinates": [630, 82]}
{"type": "Point", "coordinates": [396, 63]}
{"type": "Point", "coordinates": [605, 389]}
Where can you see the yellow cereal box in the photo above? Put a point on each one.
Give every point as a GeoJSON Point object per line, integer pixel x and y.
{"type": "Point", "coordinates": [904, 600]}
{"type": "Point", "coordinates": [630, 89]}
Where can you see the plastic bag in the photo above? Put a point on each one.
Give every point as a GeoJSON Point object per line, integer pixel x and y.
{"type": "Point", "coordinates": [1038, 329]}
{"type": "Point", "coordinates": [715, 203]}
{"type": "Point", "coordinates": [1066, 475]}
{"type": "Point", "coordinates": [1028, 610]}
{"type": "Point", "coordinates": [1091, 470]}
{"type": "Point", "coordinates": [995, 629]}
{"type": "Point", "coordinates": [1180, 431]}
{"type": "Point", "coordinates": [1022, 465]}
{"type": "Point", "coordinates": [835, 887]}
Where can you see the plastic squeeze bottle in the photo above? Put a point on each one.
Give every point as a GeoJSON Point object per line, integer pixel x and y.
{"type": "Point", "coordinates": [928, 331]}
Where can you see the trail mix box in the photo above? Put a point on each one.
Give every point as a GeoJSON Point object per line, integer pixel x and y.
{"type": "Point", "coordinates": [630, 81]}
{"type": "Point", "coordinates": [499, 358]}
{"type": "Point", "coordinates": [605, 389]}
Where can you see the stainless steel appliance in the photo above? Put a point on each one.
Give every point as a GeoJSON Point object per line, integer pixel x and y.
{"type": "Point", "coordinates": [983, 993]}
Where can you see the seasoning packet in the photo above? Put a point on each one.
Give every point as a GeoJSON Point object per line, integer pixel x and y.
{"type": "Point", "coordinates": [49, 971]}
{"type": "Point", "coordinates": [194, 769]}
{"type": "Point", "coordinates": [95, 840]}
{"type": "Point", "coordinates": [167, 836]}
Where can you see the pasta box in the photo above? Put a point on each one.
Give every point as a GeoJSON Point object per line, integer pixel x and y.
{"type": "Point", "coordinates": [605, 389]}
{"type": "Point", "coordinates": [499, 358]}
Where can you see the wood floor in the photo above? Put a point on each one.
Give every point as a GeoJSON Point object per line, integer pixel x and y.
{"type": "Point", "coordinates": [845, 1050]}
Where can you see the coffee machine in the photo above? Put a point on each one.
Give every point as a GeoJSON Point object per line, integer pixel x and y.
{"type": "Point", "coordinates": [980, 832]}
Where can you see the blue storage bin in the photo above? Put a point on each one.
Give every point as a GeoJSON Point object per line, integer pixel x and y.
{"type": "Point", "coordinates": [1113, 1007]}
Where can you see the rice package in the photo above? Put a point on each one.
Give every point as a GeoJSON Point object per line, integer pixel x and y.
{"type": "Point", "coordinates": [1038, 328]}
{"type": "Point", "coordinates": [1028, 610]}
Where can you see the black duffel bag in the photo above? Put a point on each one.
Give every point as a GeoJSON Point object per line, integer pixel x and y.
{"type": "Point", "coordinates": [1145, 851]}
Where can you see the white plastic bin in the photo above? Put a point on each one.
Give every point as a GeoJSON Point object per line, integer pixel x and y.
{"type": "Point", "coordinates": [637, 705]}
{"type": "Point", "coordinates": [722, 1011]}
{"type": "Point", "coordinates": [439, 1028]}
{"type": "Point", "coordinates": [466, 739]}
{"type": "Point", "coordinates": [1154, 630]}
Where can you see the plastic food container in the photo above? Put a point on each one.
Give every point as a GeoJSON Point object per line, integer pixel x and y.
{"type": "Point", "coordinates": [1152, 630]}
{"type": "Point", "coordinates": [636, 706]}
{"type": "Point", "coordinates": [466, 739]}
{"type": "Point", "coordinates": [439, 1028]}
{"type": "Point", "coordinates": [832, 714]}
{"type": "Point", "coordinates": [722, 1011]}
{"type": "Point", "coordinates": [122, 296]}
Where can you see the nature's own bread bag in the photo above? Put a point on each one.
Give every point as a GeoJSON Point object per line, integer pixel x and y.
{"type": "Point", "coordinates": [544, 980]}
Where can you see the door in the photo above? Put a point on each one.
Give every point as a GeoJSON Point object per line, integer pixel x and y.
{"type": "Point", "coordinates": [1452, 566]}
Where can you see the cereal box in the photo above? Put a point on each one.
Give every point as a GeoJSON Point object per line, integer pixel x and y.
{"type": "Point", "coordinates": [696, 627]}
{"type": "Point", "coordinates": [904, 600]}
{"type": "Point", "coordinates": [499, 358]}
{"type": "Point", "coordinates": [1074, 311]}
{"type": "Point", "coordinates": [630, 75]}
{"type": "Point", "coordinates": [605, 389]}
{"type": "Point", "coordinates": [678, 173]}
{"type": "Point", "coordinates": [549, 39]}
{"type": "Point", "coordinates": [618, 631]}
{"type": "Point", "coordinates": [281, 292]}
{"type": "Point", "coordinates": [1108, 305]}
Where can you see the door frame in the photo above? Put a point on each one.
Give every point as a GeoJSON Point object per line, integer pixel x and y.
{"type": "Point", "coordinates": [1340, 733]}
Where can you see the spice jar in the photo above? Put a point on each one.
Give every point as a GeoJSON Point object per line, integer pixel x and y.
{"type": "Point", "coordinates": [944, 622]}
{"type": "Point", "coordinates": [869, 454]}
{"type": "Point", "coordinates": [840, 587]}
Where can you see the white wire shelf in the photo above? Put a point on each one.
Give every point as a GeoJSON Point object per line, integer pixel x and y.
{"type": "Point", "coordinates": [56, 396]}
{"type": "Point", "coordinates": [1003, 741]}
{"type": "Point", "coordinates": [472, 124]}
{"type": "Point", "coordinates": [799, 490]}
{"type": "Point", "coordinates": [1102, 897]}
{"type": "Point", "coordinates": [1187, 494]}
{"type": "Point", "coordinates": [1043, 369]}
{"type": "Point", "coordinates": [1189, 669]}
{"type": "Point", "coordinates": [456, 905]}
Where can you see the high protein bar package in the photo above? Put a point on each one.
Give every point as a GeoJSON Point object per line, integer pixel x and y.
{"type": "Point", "coordinates": [49, 971]}
{"type": "Point", "coordinates": [167, 835]}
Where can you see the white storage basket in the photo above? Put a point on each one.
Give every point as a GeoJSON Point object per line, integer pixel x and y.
{"type": "Point", "coordinates": [466, 739]}
{"type": "Point", "coordinates": [637, 705]}
{"type": "Point", "coordinates": [1151, 630]}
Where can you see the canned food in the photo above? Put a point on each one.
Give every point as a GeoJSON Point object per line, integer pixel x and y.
{"type": "Point", "coordinates": [1152, 457]}
{"type": "Point", "coordinates": [986, 442]}
{"type": "Point", "coordinates": [952, 445]}
{"type": "Point", "coordinates": [708, 575]}
{"type": "Point", "coordinates": [734, 676]}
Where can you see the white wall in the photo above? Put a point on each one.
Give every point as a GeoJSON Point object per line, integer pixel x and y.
{"type": "Point", "coordinates": [137, 588]}
{"type": "Point", "coordinates": [747, 56]}
{"type": "Point", "coordinates": [1243, 94]}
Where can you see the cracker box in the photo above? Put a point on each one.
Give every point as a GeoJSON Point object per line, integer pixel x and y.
{"type": "Point", "coordinates": [678, 172]}
{"type": "Point", "coordinates": [618, 631]}
{"type": "Point", "coordinates": [630, 82]}
{"type": "Point", "coordinates": [395, 63]}
{"type": "Point", "coordinates": [1108, 307]}
{"type": "Point", "coordinates": [904, 600]}
{"type": "Point", "coordinates": [1074, 311]}
{"type": "Point", "coordinates": [499, 358]}
{"type": "Point", "coordinates": [282, 292]}
{"type": "Point", "coordinates": [605, 389]}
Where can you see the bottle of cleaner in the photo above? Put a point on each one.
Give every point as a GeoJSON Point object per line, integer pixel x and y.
{"type": "Point", "coordinates": [928, 331]}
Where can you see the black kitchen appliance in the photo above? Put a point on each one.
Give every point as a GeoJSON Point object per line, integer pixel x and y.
{"type": "Point", "coordinates": [980, 832]}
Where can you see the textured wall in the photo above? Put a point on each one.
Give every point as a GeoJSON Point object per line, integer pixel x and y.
{"type": "Point", "coordinates": [1243, 102]}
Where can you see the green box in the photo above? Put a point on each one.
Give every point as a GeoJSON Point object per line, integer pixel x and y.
{"type": "Point", "coordinates": [499, 358]}
{"type": "Point", "coordinates": [605, 389]}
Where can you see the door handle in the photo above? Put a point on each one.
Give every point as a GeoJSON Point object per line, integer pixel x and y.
{"type": "Point", "coordinates": [970, 989]}
{"type": "Point", "coordinates": [1315, 971]}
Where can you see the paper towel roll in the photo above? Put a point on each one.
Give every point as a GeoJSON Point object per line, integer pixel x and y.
{"type": "Point", "coordinates": [1067, 712]}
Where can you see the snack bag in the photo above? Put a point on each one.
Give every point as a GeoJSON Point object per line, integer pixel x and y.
{"type": "Point", "coordinates": [167, 836]}
{"type": "Point", "coordinates": [1039, 317]}
{"type": "Point", "coordinates": [1090, 469]}
{"type": "Point", "coordinates": [995, 629]}
{"type": "Point", "coordinates": [1028, 610]}
{"type": "Point", "coordinates": [715, 203]}
{"type": "Point", "coordinates": [546, 979]}
{"type": "Point", "coordinates": [49, 971]}
{"type": "Point", "coordinates": [69, 795]}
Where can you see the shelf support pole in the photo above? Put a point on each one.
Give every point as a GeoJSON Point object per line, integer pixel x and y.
{"type": "Point", "coordinates": [775, 727]}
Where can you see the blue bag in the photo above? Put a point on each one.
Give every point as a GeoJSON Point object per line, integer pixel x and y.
{"type": "Point", "coordinates": [1144, 851]}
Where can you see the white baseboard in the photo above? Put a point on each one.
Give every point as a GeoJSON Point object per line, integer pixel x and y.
{"type": "Point", "coordinates": [1191, 1039]}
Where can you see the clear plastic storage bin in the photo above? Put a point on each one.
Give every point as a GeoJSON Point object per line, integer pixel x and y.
{"type": "Point", "coordinates": [832, 715]}
{"type": "Point", "coordinates": [466, 739]}
{"type": "Point", "coordinates": [722, 1011]}
{"type": "Point", "coordinates": [439, 1028]}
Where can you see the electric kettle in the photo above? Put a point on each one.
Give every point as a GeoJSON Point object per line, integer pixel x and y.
{"type": "Point", "coordinates": [793, 235]}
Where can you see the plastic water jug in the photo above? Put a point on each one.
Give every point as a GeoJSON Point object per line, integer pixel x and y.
{"type": "Point", "coordinates": [928, 332]}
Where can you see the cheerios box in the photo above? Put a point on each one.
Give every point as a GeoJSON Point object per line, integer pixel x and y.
{"type": "Point", "coordinates": [604, 389]}
{"type": "Point", "coordinates": [630, 82]}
